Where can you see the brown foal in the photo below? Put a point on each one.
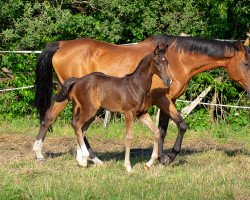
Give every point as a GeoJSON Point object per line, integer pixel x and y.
{"type": "Point", "coordinates": [128, 95]}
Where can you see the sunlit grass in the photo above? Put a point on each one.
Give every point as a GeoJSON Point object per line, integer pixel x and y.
{"type": "Point", "coordinates": [209, 167]}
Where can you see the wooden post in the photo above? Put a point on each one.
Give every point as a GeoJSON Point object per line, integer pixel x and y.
{"type": "Point", "coordinates": [106, 118]}
{"type": "Point", "coordinates": [187, 110]}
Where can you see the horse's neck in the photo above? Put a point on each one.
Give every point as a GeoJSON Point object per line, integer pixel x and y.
{"type": "Point", "coordinates": [187, 67]}
{"type": "Point", "coordinates": [197, 64]}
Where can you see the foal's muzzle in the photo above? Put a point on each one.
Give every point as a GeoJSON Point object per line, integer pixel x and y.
{"type": "Point", "coordinates": [168, 81]}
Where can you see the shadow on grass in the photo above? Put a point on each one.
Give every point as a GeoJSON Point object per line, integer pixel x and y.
{"type": "Point", "coordinates": [144, 154]}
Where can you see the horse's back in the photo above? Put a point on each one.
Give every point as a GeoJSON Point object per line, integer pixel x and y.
{"type": "Point", "coordinates": [76, 58]}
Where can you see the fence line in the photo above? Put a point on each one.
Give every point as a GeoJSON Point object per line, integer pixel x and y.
{"type": "Point", "coordinates": [24, 52]}
{"type": "Point", "coordinates": [19, 88]}
{"type": "Point", "coordinates": [215, 104]}
{"type": "Point", "coordinates": [178, 100]}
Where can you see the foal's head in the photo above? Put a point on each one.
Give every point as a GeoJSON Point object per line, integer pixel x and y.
{"type": "Point", "coordinates": [161, 63]}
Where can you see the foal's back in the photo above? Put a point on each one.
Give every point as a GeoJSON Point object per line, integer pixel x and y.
{"type": "Point", "coordinates": [111, 93]}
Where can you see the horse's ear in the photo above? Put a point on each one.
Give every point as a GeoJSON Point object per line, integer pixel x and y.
{"type": "Point", "coordinates": [246, 43]}
{"type": "Point", "coordinates": [239, 45]}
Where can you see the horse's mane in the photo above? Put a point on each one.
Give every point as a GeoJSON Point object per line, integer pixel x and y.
{"type": "Point", "coordinates": [208, 47]}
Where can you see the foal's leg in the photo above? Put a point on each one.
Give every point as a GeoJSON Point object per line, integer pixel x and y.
{"type": "Point", "coordinates": [49, 118]}
{"type": "Point", "coordinates": [80, 123]}
{"type": "Point", "coordinates": [82, 151]}
{"type": "Point", "coordinates": [92, 155]}
{"type": "Point", "coordinates": [129, 117]}
{"type": "Point", "coordinates": [146, 119]}
{"type": "Point", "coordinates": [169, 108]}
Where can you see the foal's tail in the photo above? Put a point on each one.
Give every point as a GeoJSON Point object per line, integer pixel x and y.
{"type": "Point", "coordinates": [64, 92]}
{"type": "Point", "coordinates": [44, 79]}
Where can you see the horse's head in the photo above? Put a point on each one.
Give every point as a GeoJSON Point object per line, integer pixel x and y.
{"type": "Point", "coordinates": [161, 64]}
{"type": "Point", "coordinates": [238, 67]}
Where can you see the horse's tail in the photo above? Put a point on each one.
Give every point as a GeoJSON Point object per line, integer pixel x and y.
{"type": "Point", "coordinates": [65, 89]}
{"type": "Point", "coordinates": [44, 79]}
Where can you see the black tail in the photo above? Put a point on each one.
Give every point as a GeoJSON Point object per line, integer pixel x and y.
{"type": "Point", "coordinates": [44, 79]}
{"type": "Point", "coordinates": [64, 92]}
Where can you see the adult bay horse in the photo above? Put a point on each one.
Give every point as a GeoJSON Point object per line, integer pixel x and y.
{"type": "Point", "coordinates": [187, 57]}
{"type": "Point", "coordinates": [127, 95]}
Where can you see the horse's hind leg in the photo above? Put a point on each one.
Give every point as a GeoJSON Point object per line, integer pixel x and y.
{"type": "Point", "coordinates": [146, 119]}
{"type": "Point", "coordinates": [49, 118]}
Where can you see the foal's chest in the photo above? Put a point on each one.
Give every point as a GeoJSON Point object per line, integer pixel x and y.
{"type": "Point", "coordinates": [146, 103]}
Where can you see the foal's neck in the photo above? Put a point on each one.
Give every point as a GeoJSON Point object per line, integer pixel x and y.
{"type": "Point", "coordinates": [143, 74]}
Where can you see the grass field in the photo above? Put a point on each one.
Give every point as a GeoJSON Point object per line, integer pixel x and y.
{"type": "Point", "coordinates": [207, 168]}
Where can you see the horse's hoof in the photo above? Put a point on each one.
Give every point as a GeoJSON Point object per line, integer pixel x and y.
{"type": "Point", "coordinates": [165, 160]}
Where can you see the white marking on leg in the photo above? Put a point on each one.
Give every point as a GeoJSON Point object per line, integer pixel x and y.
{"type": "Point", "coordinates": [96, 160]}
{"type": "Point", "coordinates": [82, 155]}
{"type": "Point", "coordinates": [37, 148]}
{"type": "Point", "coordinates": [79, 155]}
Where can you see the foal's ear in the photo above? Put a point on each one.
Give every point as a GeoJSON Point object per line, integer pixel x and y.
{"type": "Point", "coordinates": [163, 47]}
{"type": "Point", "coordinates": [156, 51]}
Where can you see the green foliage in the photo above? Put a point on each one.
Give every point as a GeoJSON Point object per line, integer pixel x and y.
{"type": "Point", "coordinates": [30, 25]}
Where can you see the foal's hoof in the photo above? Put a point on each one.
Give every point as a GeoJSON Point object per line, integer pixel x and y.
{"type": "Point", "coordinates": [40, 160]}
{"type": "Point", "coordinates": [165, 160]}
{"type": "Point", "coordinates": [83, 165]}
{"type": "Point", "coordinates": [146, 167]}
{"type": "Point", "coordinates": [128, 169]}
{"type": "Point", "coordinates": [96, 161]}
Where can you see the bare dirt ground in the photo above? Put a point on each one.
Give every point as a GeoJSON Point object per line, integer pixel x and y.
{"type": "Point", "coordinates": [14, 148]}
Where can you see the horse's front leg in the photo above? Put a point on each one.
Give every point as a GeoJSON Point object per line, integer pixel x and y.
{"type": "Point", "coordinates": [163, 126]}
{"type": "Point", "coordinates": [146, 119]}
{"type": "Point", "coordinates": [169, 109]}
{"type": "Point", "coordinates": [129, 121]}
{"type": "Point", "coordinates": [49, 118]}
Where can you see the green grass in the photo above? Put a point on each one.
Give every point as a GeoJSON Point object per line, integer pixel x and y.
{"type": "Point", "coordinates": [209, 167]}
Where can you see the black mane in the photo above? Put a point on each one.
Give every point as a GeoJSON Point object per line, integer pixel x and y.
{"type": "Point", "coordinates": [208, 47]}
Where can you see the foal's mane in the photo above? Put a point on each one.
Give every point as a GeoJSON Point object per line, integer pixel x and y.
{"type": "Point", "coordinates": [208, 47]}
{"type": "Point", "coordinates": [141, 64]}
